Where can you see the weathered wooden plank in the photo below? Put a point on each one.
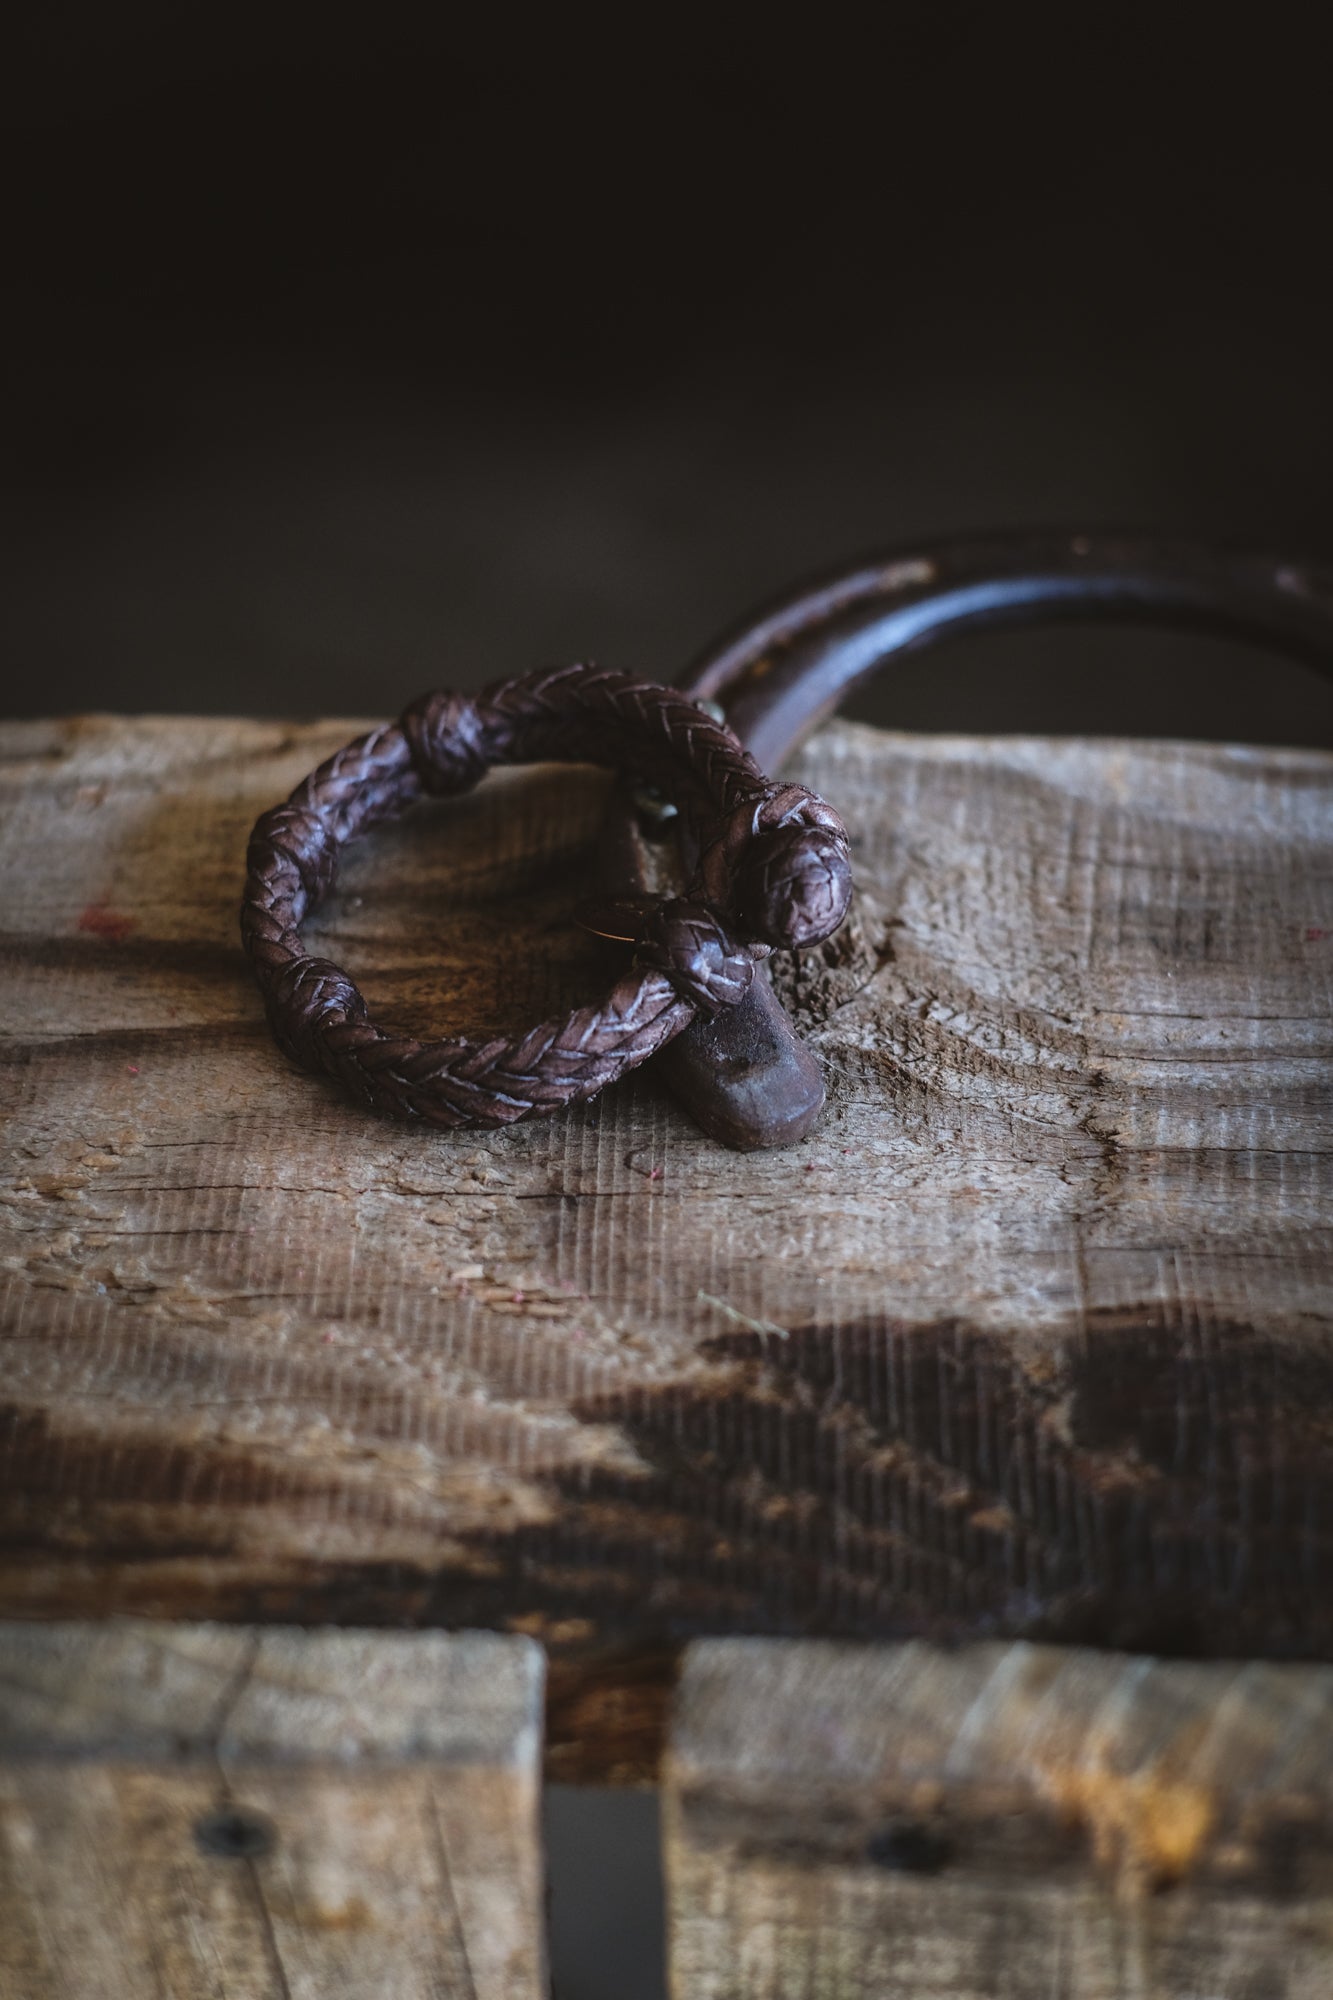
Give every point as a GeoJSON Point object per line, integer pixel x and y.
{"type": "Point", "coordinates": [848, 1821]}
{"type": "Point", "coordinates": [209, 1811]}
{"type": "Point", "coordinates": [1032, 1337]}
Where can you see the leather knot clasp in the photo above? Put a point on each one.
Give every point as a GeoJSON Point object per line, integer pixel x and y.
{"type": "Point", "coordinates": [780, 858]}
{"type": "Point", "coordinates": [446, 740]}
{"type": "Point", "coordinates": [692, 946]}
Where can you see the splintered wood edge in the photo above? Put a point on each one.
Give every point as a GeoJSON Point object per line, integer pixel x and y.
{"type": "Point", "coordinates": [151, 1690]}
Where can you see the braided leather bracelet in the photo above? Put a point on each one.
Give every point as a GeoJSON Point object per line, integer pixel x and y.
{"type": "Point", "coordinates": [773, 869]}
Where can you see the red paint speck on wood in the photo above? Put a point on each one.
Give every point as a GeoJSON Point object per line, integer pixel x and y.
{"type": "Point", "coordinates": [106, 923]}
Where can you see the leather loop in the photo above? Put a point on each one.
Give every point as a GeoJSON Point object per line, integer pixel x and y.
{"type": "Point", "coordinates": [776, 850]}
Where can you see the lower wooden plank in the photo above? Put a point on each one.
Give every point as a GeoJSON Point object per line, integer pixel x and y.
{"type": "Point", "coordinates": [207, 1811]}
{"type": "Point", "coordinates": [1003, 1820]}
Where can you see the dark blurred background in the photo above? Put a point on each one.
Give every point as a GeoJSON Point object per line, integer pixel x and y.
{"type": "Point", "coordinates": [347, 359]}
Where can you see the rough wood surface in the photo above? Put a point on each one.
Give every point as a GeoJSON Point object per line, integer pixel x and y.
{"type": "Point", "coordinates": [205, 1811]}
{"type": "Point", "coordinates": [1022, 1820]}
{"type": "Point", "coordinates": [1032, 1337]}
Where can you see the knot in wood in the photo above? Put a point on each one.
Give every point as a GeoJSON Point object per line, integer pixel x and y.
{"type": "Point", "coordinates": [447, 742]}
{"type": "Point", "coordinates": [693, 947]}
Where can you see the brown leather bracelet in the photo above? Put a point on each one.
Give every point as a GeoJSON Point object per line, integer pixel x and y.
{"type": "Point", "coordinates": [773, 869]}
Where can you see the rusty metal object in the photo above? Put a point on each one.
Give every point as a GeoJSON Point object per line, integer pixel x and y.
{"type": "Point", "coordinates": [747, 1078]}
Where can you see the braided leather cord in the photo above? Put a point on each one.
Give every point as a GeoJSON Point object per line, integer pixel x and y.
{"type": "Point", "coordinates": [773, 870]}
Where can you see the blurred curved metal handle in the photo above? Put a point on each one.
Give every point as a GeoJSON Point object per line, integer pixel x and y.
{"type": "Point", "coordinates": [783, 671]}
{"type": "Point", "coordinates": [747, 1078]}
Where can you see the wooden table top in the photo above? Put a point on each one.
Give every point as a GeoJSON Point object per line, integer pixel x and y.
{"type": "Point", "coordinates": [1032, 1337]}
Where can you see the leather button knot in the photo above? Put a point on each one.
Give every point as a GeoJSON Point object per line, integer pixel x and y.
{"type": "Point", "coordinates": [446, 740]}
{"type": "Point", "coordinates": [692, 946]}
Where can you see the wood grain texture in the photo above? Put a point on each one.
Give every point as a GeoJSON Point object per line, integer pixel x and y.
{"type": "Point", "coordinates": [1003, 1820]}
{"type": "Point", "coordinates": [1032, 1337]}
{"type": "Point", "coordinates": [209, 1811]}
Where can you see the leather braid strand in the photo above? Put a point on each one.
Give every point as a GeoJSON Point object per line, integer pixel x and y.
{"type": "Point", "coordinates": [773, 870]}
